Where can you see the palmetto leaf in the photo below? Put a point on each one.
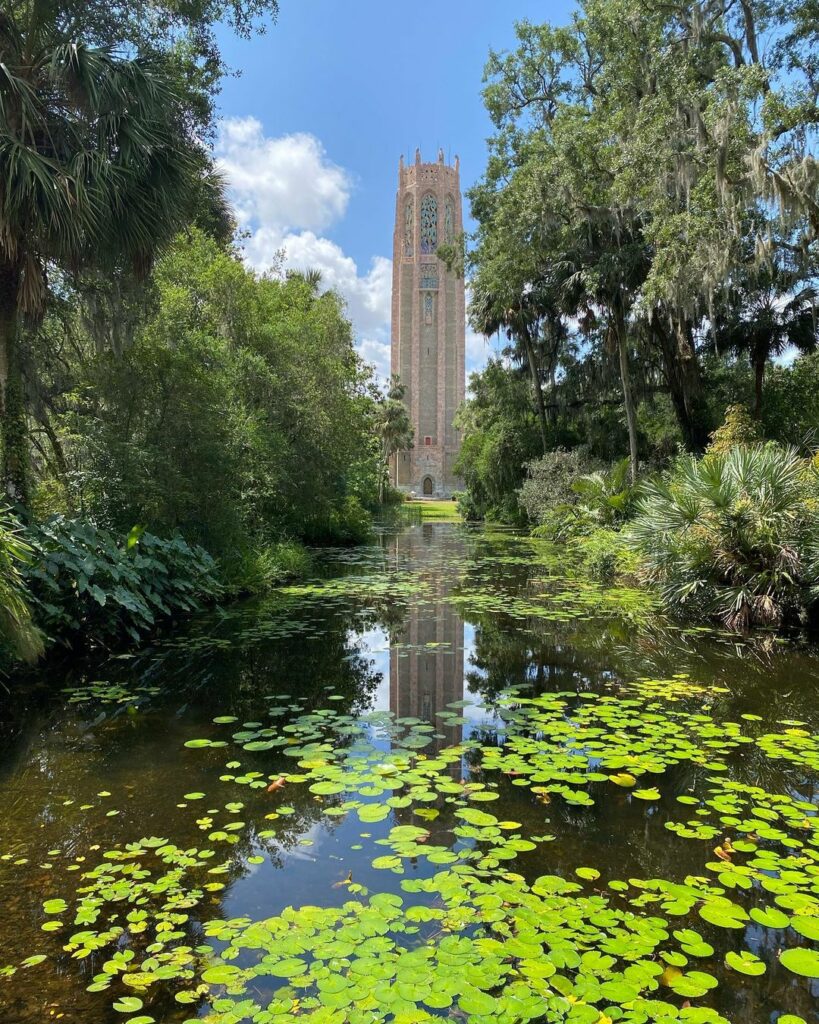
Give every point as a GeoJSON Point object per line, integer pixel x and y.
{"type": "Point", "coordinates": [96, 161]}
{"type": "Point", "coordinates": [737, 531]}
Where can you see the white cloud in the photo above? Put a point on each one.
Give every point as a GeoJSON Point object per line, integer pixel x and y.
{"type": "Point", "coordinates": [281, 183]}
{"type": "Point", "coordinates": [286, 192]}
{"type": "Point", "coordinates": [377, 353]}
{"type": "Point", "coordinates": [478, 350]}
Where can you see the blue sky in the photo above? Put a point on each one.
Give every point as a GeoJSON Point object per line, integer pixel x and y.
{"type": "Point", "coordinates": [326, 102]}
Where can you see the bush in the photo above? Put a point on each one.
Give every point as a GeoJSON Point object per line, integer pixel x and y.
{"type": "Point", "coordinates": [734, 535]}
{"type": "Point", "coordinates": [86, 583]}
{"type": "Point", "coordinates": [257, 570]}
{"type": "Point", "coordinates": [606, 554]}
{"type": "Point", "coordinates": [582, 504]}
{"type": "Point", "coordinates": [549, 484]}
{"type": "Point", "coordinates": [19, 637]}
{"type": "Point", "coordinates": [347, 522]}
{"type": "Point", "coordinates": [739, 428]}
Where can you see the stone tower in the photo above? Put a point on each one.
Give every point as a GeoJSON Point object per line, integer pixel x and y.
{"type": "Point", "coordinates": [428, 327]}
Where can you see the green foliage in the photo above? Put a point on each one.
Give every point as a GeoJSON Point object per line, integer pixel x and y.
{"type": "Point", "coordinates": [790, 407]}
{"type": "Point", "coordinates": [549, 484]}
{"type": "Point", "coordinates": [88, 584]}
{"type": "Point", "coordinates": [499, 437]}
{"type": "Point", "coordinates": [239, 413]}
{"type": "Point", "coordinates": [19, 637]}
{"type": "Point", "coordinates": [605, 496]}
{"type": "Point", "coordinates": [646, 220]}
{"type": "Point", "coordinates": [394, 427]}
{"type": "Point", "coordinates": [734, 535]}
{"type": "Point", "coordinates": [739, 428]}
{"type": "Point", "coordinates": [257, 569]}
{"type": "Point", "coordinates": [570, 504]}
{"type": "Point", "coordinates": [605, 554]}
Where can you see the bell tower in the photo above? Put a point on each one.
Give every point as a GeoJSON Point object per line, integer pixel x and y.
{"type": "Point", "coordinates": [428, 326]}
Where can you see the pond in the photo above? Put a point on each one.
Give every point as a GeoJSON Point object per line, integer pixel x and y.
{"type": "Point", "coordinates": [448, 778]}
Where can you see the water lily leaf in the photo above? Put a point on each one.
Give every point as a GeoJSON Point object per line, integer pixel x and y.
{"type": "Point", "coordinates": [801, 961]}
{"type": "Point", "coordinates": [806, 926]}
{"type": "Point", "coordinates": [221, 974]}
{"type": "Point", "coordinates": [770, 917]}
{"type": "Point", "coordinates": [745, 963]}
{"type": "Point", "coordinates": [128, 1004]}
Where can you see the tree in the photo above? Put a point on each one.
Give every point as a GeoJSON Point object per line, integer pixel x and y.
{"type": "Point", "coordinates": [394, 429]}
{"type": "Point", "coordinates": [98, 164]}
{"type": "Point", "coordinates": [769, 314]}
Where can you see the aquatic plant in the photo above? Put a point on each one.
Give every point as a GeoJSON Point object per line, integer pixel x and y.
{"type": "Point", "coordinates": [469, 936]}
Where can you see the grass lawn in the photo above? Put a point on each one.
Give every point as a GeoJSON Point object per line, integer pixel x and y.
{"type": "Point", "coordinates": [435, 510]}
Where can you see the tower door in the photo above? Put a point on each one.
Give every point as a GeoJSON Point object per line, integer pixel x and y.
{"type": "Point", "coordinates": [427, 485]}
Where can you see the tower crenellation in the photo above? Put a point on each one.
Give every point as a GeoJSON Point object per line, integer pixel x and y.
{"type": "Point", "coordinates": [428, 324]}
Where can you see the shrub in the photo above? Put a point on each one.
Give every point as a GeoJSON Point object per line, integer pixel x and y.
{"type": "Point", "coordinates": [606, 554]}
{"type": "Point", "coordinates": [549, 484]}
{"type": "Point", "coordinates": [256, 570]}
{"type": "Point", "coordinates": [347, 522]}
{"type": "Point", "coordinates": [19, 637]}
{"type": "Point", "coordinates": [734, 535]}
{"type": "Point", "coordinates": [739, 428]}
{"type": "Point", "coordinates": [86, 583]}
{"type": "Point", "coordinates": [582, 503]}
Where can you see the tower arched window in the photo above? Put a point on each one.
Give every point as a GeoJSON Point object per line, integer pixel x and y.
{"type": "Point", "coordinates": [449, 220]}
{"type": "Point", "coordinates": [409, 226]}
{"type": "Point", "coordinates": [429, 223]}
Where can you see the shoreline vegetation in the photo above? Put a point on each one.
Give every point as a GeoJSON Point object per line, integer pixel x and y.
{"type": "Point", "coordinates": [650, 283]}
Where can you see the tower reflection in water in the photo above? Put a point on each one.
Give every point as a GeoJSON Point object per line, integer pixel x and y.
{"type": "Point", "coordinates": [427, 649]}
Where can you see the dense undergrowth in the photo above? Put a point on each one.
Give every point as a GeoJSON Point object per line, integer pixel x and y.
{"type": "Point", "coordinates": [732, 536]}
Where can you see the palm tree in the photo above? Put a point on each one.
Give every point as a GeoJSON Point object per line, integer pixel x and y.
{"type": "Point", "coordinates": [764, 321]}
{"type": "Point", "coordinates": [394, 429]}
{"type": "Point", "coordinates": [98, 168]}
{"type": "Point", "coordinates": [524, 315]}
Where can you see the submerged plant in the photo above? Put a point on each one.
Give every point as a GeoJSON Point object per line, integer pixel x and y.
{"type": "Point", "coordinates": [734, 535]}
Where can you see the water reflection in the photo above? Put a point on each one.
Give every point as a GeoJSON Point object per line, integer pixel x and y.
{"type": "Point", "coordinates": [82, 776]}
{"type": "Point", "coordinates": [426, 670]}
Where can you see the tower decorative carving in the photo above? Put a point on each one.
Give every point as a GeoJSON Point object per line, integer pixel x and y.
{"type": "Point", "coordinates": [429, 224]}
{"type": "Point", "coordinates": [428, 325]}
{"type": "Point", "coordinates": [409, 226]}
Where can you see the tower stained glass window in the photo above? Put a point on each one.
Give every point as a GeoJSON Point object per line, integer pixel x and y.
{"type": "Point", "coordinates": [429, 276]}
{"type": "Point", "coordinates": [449, 220]}
{"type": "Point", "coordinates": [409, 225]}
{"type": "Point", "coordinates": [429, 224]}
{"type": "Point", "coordinates": [428, 306]}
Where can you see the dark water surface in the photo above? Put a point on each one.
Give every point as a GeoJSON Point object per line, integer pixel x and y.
{"type": "Point", "coordinates": [456, 674]}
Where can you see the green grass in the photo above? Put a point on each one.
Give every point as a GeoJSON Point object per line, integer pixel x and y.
{"type": "Point", "coordinates": [435, 510]}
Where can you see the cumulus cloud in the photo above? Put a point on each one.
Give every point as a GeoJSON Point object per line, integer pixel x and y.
{"type": "Point", "coordinates": [282, 183]}
{"type": "Point", "coordinates": [377, 354]}
{"type": "Point", "coordinates": [287, 193]}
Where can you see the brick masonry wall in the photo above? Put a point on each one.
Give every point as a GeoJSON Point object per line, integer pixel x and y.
{"type": "Point", "coordinates": [428, 344]}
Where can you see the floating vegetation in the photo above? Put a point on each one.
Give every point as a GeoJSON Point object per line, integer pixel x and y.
{"type": "Point", "coordinates": [625, 852]}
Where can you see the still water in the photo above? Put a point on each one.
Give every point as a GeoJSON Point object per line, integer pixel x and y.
{"type": "Point", "coordinates": [445, 779]}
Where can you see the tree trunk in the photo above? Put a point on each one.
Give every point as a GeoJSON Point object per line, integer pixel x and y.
{"type": "Point", "coordinates": [682, 374]}
{"type": "Point", "coordinates": [12, 406]}
{"type": "Point", "coordinates": [628, 397]}
{"type": "Point", "coordinates": [759, 378]}
{"type": "Point", "coordinates": [531, 359]}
